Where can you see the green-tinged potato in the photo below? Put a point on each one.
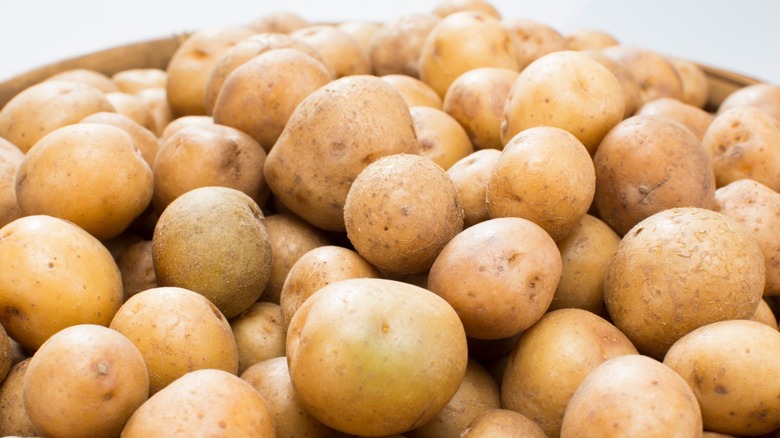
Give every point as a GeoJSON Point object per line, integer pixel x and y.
{"type": "Point", "coordinates": [177, 331]}
{"type": "Point", "coordinates": [414, 91]}
{"type": "Point", "coordinates": [545, 175]}
{"type": "Point", "coordinates": [259, 334]}
{"type": "Point", "coordinates": [278, 22]}
{"type": "Point", "coordinates": [100, 376]}
{"type": "Point", "coordinates": [10, 159]}
{"type": "Point", "coordinates": [89, 77]}
{"type": "Point", "coordinates": [15, 422]}
{"type": "Point", "coordinates": [400, 356]}
{"type": "Point", "coordinates": [212, 240]}
{"type": "Point", "coordinates": [144, 139]}
{"type": "Point", "coordinates": [338, 50]}
{"type": "Point", "coordinates": [137, 79]}
{"type": "Point", "coordinates": [695, 84]}
{"type": "Point", "coordinates": [532, 39]}
{"type": "Point", "coordinates": [589, 39]}
{"type": "Point", "coordinates": [503, 423]}
{"type": "Point", "coordinates": [765, 315]}
{"type": "Point", "coordinates": [447, 7]}
{"type": "Point", "coordinates": [133, 107]}
{"type": "Point", "coordinates": [765, 97]}
{"type": "Point", "coordinates": [441, 137]}
{"type": "Point", "coordinates": [395, 48]}
{"type": "Point", "coordinates": [137, 268]}
{"type": "Point", "coordinates": [470, 176]}
{"type": "Point", "coordinates": [499, 276]}
{"type": "Point", "coordinates": [567, 90]}
{"type": "Point", "coordinates": [681, 269]}
{"type": "Point", "coordinates": [692, 117]}
{"type": "Point", "coordinates": [656, 76]}
{"type": "Point", "coordinates": [733, 369]}
{"type": "Point", "coordinates": [632, 395]}
{"type": "Point", "coordinates": [55, 275]}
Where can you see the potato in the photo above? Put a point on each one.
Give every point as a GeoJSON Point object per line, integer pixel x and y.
{"type": "Point", "coordinates": [10, 159]}
{"type": "Point", "coordinates": [316, 269]}
{"type": "Point", "coordinates": [278, 22]}
{"type": "Point", "coordinates": [362, 32]}
{"type": "Point", "coordinates": [629, 190]}
{"type": "Point", "coordinates": [180, 123]}
{"type": "Point", "coordinates": [358, 120]}
{"type": "Point", "coordinates": [476, 100]}
{"type": "Point", "coordinates": [395, 48]}
{"type": "Point", "coordinates": [692, 117]}
{"type": "Point", "coordinates": [470, 176]}
{"type": "Point", "coordinates": [156, 100]}
{"type": "Point", "coordinates": [678, 270]}
{"type": "Point", "coordinates": [635, 396]}
{"type": "Point", "coordinates": [532, 39]}
{"type": "Point", "coordinates": [259, 334]}
{"type": "Point", "coordinates": [42, 108]}
{"type": "Point", "coordinates": [695, 84]}
{"type": "Point", "coordinates": [765, 97]}
{"type": "Point", "coordinates": [567, 90]}
{"type": "Point", "coordinates": [338, 50]}
{"type": "Point", "coordinates": [271, 378]}
{"type": "Point", "coordinates": [100, 376]}
{"type": "Point", "coordinates": [259, 96]}
{"type": "Point", "coordinates": [90, 174]}
{"type": "Point", "coordinates": [6, 353]}
{"type": "Point", "coordinates": [144, 139]}
{"type": "Point", "coordinates": [447, 7]}
{"type": "Point", "coordinates": [732, 368]}
{"type": "Point", "coordinates": [545, 175]}
{"type": "Point", "coordinates": [204, 402]}
{"type": "Point", "coordinates": [654, 73]}
{"type": "Point", "coordinates": [401, 356]}
{"type": "Point", "coordinates": [552, 358]}
{"type": "Point", "coordinates": [478, 392]}
{"type": "Point", "coordinates": [504, 423]}
{"type": "Point", "coordinates": [461, 42]}
{"type": "Point", "coordinates": [190, 65]}
{"type": "Point", "coordinates": [631, 92]}
{"type": "Point", "coordinates": [177, 331]}
{"type": "Point", "coordinates": [744, 142]}
{"type": "Point", "coordinates": [441, 137]}
{"type": "Point", "coordinates": [87, 76]}
{"type": "Point", "coordinates": [15, 419]}
{"type": "Point", "coordinates": [757, 207]}
{"type": "Point", "coordinates": [400, 212]}
{"type": "Point", "coordinates": [133, 107]}
{"type": "Point", "coordinates": [589, 39]}
{"type": "Point", "coordinates": [585, 254]}
{"type": "Point", "coordinates": [137, 79]}
{"type": "Point", "coordinates": [414, 91]}
{"type": "Point", "coordinates": [499, 276]}
{"type": "Point", "coordinates": [55, 275]}
{"type": "Point", "coordinates": [212, 240]}
{"type": "Point", "coordinates": [137, 269]}
{"type": "Point", "coordinates": [291, 238]}
{"type": "Point", "coordinates": [209, 155]}
{"type": "Point", "coordinates": [765, 315]}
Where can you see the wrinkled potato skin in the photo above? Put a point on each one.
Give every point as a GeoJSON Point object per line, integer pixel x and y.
{"type": "Point", "coordinates": [441, 137]}
{"type": "Point", "coordinates": [692, 117]}
{"type": "Point", "coordinates": [503, 423]}
{"type": "Point", "coordinates": [470, 176]}
{"type": "Point", "coordinates": [765, 97]}
{"type": "Point", "coordinates": [414, 91]}
{"type": "Point", "coordinates": [396, 46]}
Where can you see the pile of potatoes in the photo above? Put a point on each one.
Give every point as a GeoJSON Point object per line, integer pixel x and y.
{"type": "Point", "coordinates": [449, 224]}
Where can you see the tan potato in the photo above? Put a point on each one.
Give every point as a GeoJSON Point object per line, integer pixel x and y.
{"type": "Point", "coordinates": [544, 174]}
{"type": "Point", "coordinates": [177, 331]}
{"type": "Point", "coordinates": [137, 269]}
{"type": "Point", "coordinates": [259, 96]}
{"type": "Point", "coordinates": [362, 32]}
{"type": "Point", "coordinates": [672, 251]}
{"type": "Point", "coordinates": [338, 50]}
{"type": "Point", "coordinates": [414, 91]}
{"type": "Point", "coordinates": [180, 123]}
{"type": "Point", "coordinates": [731, 366]}
{"type": "Point", "coordinates": [631, 92]}
{"type": "Point", "coordinates": [585, 253]}
{"type": "Point", "coordinates": [133, 107]}
{"type": "Point", "coordinates": [499, 276]}
{"type": "Point", "coordinates": [190, 65]}
{"type": "Point", "coordinates": [695, 84]}
{"type": "Point", "coordinates": [532, 39]}
{"type": "Point", "coordinates": [379, 383]}
{"type": "Point", "coordinates": [278, 22]}
{"type": "Point", "coordinates": [396, 46]}
{"type": "Point", "coordinates": [589, 39]}
{"type": "Point", "coordinates": [271, 378]}
{"type": "Point", "coordinates": [654, 73]}
{"type": "Point", "coordinates": [156, 99]}
{"type": "Point", "coordinates": [100, 376]}
{"type": "Point", "coordinates": [567, 90]}
{"type": "Point", "coordinates": [316, 269]}
{"type": "Point", "coordinates": [476, 100]}
{"type": "Point", "coordinates": [629, 190]}
{"type": "Point", "coordinates": [765, 97]}
{"type": "Point", "coordinates": [757, 207]}
{"type": "Point", "coordinates": [635, 396]}
{"type": "Point", "coordinates": [15, 419]}
{"type": "Point", "coordinates": [212, 240]}
{"type": "Point", "coordinates": [765, 315]}
{"type": "Point", "coordinates": [54, 275]}
{"type": "Point", "coordinates": [400, 212]}
{"type": "Point", "coordinates": [259, 334]}
{"type": "Point", "coordinates": [10, 159]}
{"type": "Point", "coordinates": [86, 76]}
{"type": "Point", "coordinates": [204, 402]}
{"type": "Point", "coordinates": [744, 142]}
{"type": "Point", "coordinates": [552, 358]}
{"type": "Point", "coordinates": [358, 120]}
{"type": "Point", "coordinates": [447, 7]}
{"type": "Point", "coordinates": [137, 79]}
{"type": "Point", "coordinates": [503, 423]}
{"type": "Point", "coordinates": [144, 139]}
{"type": "Point", "coordinates": [461, 42]}
{"type": "Point", "coordinates": [90, 174]}
{"type": "Point", "coordinates": [441, 137]}
{"type": "Point", "coordinates": [692, 117]}
{"type": "Point", "coordinates": [470, 176]}
{"type": "Point", "coordinates": [49, 105]}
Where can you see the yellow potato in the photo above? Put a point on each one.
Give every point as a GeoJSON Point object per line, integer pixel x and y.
{"type": "Point", "coordinates": [137, 79]}
{"type": "Point", "coordinates": [395, 48]}
{"type": "Point", "coordinates": [692, 117]}
{"type": "Point", "coordinates": [259, 334]}
{"type": "Point", "coordinates": [338, 50]}
{"type": "Point", "coordinates": [144, 139]}
{"type": "Point", "coordinates": [133, 107]}
{"type": "Point", "coordinates": [88, 77]}
{"type": "Point", "coordinates": [362, 32]}
{"type": "Point", "coordinates": [470, 176]}
{"type": "Point", "coordinates": [414, 91]}
{"type": "Point", "coordinates": [15, 422]}
{"type": "Point", "coordinates": [503, 423]}
{"type": "Point", "coordinates": [695, 84]}
{"type": "Point", "coordinates": [10, 159]}
{"type": "Point", "coordinates": [532, 39]}
{"type": "Point", "coordinates": [765, 97]}
{"type": "Point", "coordinates": [441, 137]}
{"type": "Point", "coordinates": [655, 74]}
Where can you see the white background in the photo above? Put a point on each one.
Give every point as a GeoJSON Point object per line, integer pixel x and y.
{"type": "Point", "coordinates": [741, 36]}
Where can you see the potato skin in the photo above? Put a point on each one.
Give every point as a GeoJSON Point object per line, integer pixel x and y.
{"type": "Point", "coordinates": [765, 97]}
{"type": "Point", "coordinates": [144, 139]}
{"type": "Point", "coordinates": [414, 91]}
{"type": "Point", "coordinates": [15, 422]}
{"type": "Point", "coordinates": [396, 46]}
{"type": "Point", "coordinates": [338, 50]}
{"type": "Point", "coordinates": [504, 423]}
{"type": "Point", "coordinates": [441, 137]}
{"type": "Point", "coordinates": [654, 73]}
{"type": "Point", "coordinates": [692, 117]}
{"type": "Point", "coordinates": [470, 176]}
{"type": "Point", "coordinates": [259, 334]}
{"type": "Point", "coordinates": [532, 39]}
{"type": "Point", "coordinates": [10, 159]}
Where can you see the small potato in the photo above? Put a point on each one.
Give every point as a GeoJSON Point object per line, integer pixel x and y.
{"type": "Point", "coordinates": [629, 190]}
{"type": "Point", "coordinates": [42, 108]}
{"type": "Point", "coordinates": [88, 77]}
{"type": "Point", "coordinates": [259, 334]}
{"type": "Point", "coordinates": [10, 159]}
{"type": "Point", "coordinates": [414, 91]}
{"type": "Point", "coordinates": [499, 276]}
{"type": "Point", "coordinates": [447, 7]}
{"type": "Point", "coordinates": [532, 39]}
{"type": "Point", "coordinates": [133, 107]}
{"type": "Point", "coordinates": [144, 139]}
{"type": "Point", "coordinates": [470, 176]}
{"type": "Point", "coordinates": [461, 42]}
{"type": "Point", "coordinates": [338, 50]}
{"type": "Point", "coordinates": [654, 73]}
{"type": "Point", "coordinates": [503, 423]}
{"type": "Point", "coordinates": [156, 99]}
{"type": "Point", "coordinates": [567, 90]}
{"type": "Point", "coordinates": [632, 395]}
{"type": "Point", "coordinates": [180, 123]}
{"type": "Point", "coordinates": [15, 422]}
{"type": "Point", "coordinates": [692, 117]}
{"type": "Point", "coordinates": [441, 137]}
{"type": "Point", "coordinates": [545, 175]}
{"type": "Point", "coordinates": [765, 97]}
{"type": "Point", "coordinates": [136, 79]}
{"type": "Point", "coordinates": [100, 376]}
{"type": "Point", "coordinates": [278, 22]}
{"type": "Point", "coordinates": [362, 32]}
{"type": "Point", "coordinates": [589, 39]}
{"type": "Point", "coordinates": [395, 48]}
{"type": "Point", "coordinates": [732, 368]}
{"type": "Point", "coordinates": [177, 331]}
{"type": "Point", "coordinates": [476, 100]}
{"type": "Point", "coordinates": [744, 142]}
{"type": "Point", "coordinates": [695, 84]}
{"type": "Point", "coordinates": [631, 92]}
{"type": "Point", "coordinates": [137, 269]}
